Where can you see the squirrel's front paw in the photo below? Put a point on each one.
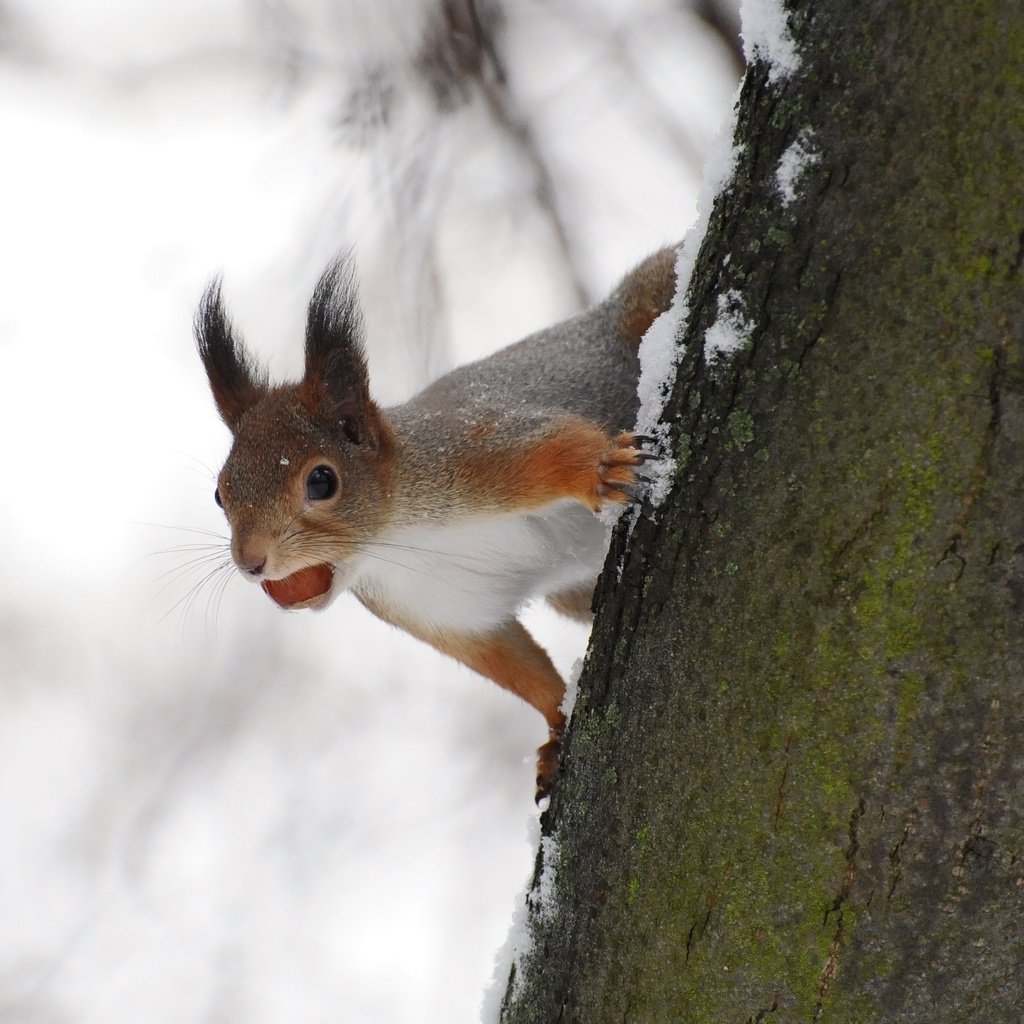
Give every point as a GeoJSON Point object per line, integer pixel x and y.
{"type": "Point", "coordinates": [617, 476]}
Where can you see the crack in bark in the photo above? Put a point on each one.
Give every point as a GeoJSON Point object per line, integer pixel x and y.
{"type": "Point", "coordinates": [995, 384]}
{"type": "Point", "coordinates": [896, 861]}
{"type": "Point", "coordinates": [977, 845]}
{"type": "Point", "coordinates": [627, 1008]}
{"type": "Point", "coordinates": [830, 297]}
{"type": "Point", "coordinates": [952, 552]}
{"type": "Point", "coordinates": [781, 795]}
{"type": "Point", "coordinates": [992, 428]}
{"type": "Point", "coordinates": [860, 530]}
{"type": "Point", "coordinates": [764, 1013]}
{"type": "Point", "coordinates": [831, 967]}
{"type": "Point", "coordinates": [1018, 260]}
{"type": "Point", "coordinates": [697, 930]}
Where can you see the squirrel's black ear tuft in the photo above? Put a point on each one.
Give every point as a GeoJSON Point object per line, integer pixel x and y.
{"type": "Point", "coordinates": [335, 360]}
{"type": "Point", "coordinates": [235, 379]}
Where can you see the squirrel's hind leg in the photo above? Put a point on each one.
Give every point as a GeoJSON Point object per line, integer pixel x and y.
{"type": "Point", "coordinates": [574, 604]}
{"type": "Point", "coordinates": [516, 662]}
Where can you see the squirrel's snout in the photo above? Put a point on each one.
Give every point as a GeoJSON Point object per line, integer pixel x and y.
{"type": "Point", "coordinates": [251, 559]}
{"type": "Point", "coordinates": [253, 550]}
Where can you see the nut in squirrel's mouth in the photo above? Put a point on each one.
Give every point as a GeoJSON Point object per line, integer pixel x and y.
{"type": "Point", "coordinates": [306, 588]}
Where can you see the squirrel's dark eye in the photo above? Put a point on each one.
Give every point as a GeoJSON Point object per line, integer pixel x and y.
{"type": "Point", "coordinates": [321, 484]}
{"type": "Point", "coordinates": [216, 497]}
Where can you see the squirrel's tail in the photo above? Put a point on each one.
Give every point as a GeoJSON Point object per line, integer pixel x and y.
{"type": "Point", "coordinates": [644, 294]}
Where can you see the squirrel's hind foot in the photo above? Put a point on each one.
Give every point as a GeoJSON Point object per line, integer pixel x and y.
{"type": "Point", "coordinates": [547, 764]}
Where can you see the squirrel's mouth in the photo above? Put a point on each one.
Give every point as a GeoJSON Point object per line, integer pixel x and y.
{"type": "Point", "coordinates": [306, 588]}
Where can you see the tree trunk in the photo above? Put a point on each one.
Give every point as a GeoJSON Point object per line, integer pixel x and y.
{"type": "Point", "coordinates": [793, 786]}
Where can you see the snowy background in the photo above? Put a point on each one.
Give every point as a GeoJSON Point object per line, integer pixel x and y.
{"type": "Point", "coordinates": [211, 811]}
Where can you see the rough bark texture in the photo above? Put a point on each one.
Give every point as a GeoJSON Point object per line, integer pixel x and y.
{"type": "Point", "coordinates": [793, 788]}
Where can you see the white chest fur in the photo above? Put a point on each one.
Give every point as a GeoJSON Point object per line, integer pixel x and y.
{"type": "Point", "coordinates": [475, 575]}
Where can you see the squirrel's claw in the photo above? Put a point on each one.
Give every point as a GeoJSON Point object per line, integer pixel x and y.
{"type": "Point", "coordinates": [618, 479]}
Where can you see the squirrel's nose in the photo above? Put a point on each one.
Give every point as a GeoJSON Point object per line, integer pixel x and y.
{"type": "Point", "coordinates": [251, 550]}
{"type": "Point", "coordinates": [251, 563]}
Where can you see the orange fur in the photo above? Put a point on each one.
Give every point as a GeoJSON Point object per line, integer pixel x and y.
{"type": "Point", "coordinates": [516, 662]}
{"type": "Point", "coordinates": [576, 460]}
{"type": "Point", "coordinates": [574, 604]}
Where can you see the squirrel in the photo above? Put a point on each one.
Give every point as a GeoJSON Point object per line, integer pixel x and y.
{"type": "Point", "coordinates": [446, 514]}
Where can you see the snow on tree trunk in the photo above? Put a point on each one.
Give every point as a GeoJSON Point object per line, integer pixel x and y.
{"type": "Point", "coordinates": [793, 786]}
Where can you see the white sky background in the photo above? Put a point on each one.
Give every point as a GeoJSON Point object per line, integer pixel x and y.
{"type": "Point", "coordinates": [217, 812]}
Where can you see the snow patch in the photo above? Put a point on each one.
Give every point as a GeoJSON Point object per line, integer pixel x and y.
{"type": "Point", "coordinates": [571, 689]}
{"type": "Point", "coordinates": [799, 158]}
{"type": "Point", "coordinates": [660, 351]}
{"type": "Point", "coordinates": [542, 899]}
{"type": "Point", "coordinates": [731, 330]}
{"type": "Point", "coordinates": [537, 902]}
{"type": "Point", "coordinates": [766, 37]}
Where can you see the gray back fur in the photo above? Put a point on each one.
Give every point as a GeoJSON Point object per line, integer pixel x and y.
{"type": "Point", "coordinates": [582, 366]}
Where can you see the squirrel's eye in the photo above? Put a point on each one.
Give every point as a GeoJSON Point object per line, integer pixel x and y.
{"type": "Point", "coordinates": [216, 497]}
{"type": "Point", "coordinates": [321, 484]}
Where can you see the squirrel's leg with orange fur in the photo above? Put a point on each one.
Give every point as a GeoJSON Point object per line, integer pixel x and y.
{"type": "Point", "coordinates": [574, 458]}
{"type": "Point", "coordinates": [574, 604]}
{"type": "Point", "coordinates": [516, 662]}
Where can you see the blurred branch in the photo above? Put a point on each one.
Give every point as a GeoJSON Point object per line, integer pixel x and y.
{"type": "Point", "coordinates": [283, 27]}
{"type": "Point", "coordinates": [456, 61]}
{"type": "Point", "coordinates": [723, 18]}
{"type": "Point", "coordinates": [463, 45]}
{"type": "Point", "coordinates": [400, 80]}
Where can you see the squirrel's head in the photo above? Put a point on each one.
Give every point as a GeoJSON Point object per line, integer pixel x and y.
{"type": "Point", "coordinates": [306, 481]}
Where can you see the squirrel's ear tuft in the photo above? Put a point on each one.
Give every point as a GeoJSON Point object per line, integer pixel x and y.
{"type": "Point", "coordinates": [235, 379]}
{"type": "Point", "coordinates": [336, 372]}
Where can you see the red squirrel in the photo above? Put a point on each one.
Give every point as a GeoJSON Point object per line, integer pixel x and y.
{"type": "Point", "coordinates": [446, 514]}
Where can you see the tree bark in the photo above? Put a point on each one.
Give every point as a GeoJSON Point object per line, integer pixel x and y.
{"type": "Point", "coordinates": [793, 784]}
